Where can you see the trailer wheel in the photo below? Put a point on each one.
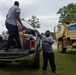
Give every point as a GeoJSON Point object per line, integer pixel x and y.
{"type": "Point", "coordinates": [60, 47]}
{"type": "Point", "coordinates": [2, 64]}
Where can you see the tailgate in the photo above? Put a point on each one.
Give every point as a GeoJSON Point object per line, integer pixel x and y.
{"type": "Point", "coordinates": [12, 55]}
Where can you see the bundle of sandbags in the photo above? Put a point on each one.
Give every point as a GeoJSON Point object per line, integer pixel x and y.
{"type": "Point", "coordinates": [24, 39]}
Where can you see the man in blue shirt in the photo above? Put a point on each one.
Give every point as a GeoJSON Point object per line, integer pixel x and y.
{"type": "Point", "coordinates": [48, 53]}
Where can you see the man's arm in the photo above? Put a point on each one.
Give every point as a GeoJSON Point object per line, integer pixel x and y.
{"type": "Point", "coordinates": [38, 34]}
{"type": "Point", "coordinates": [50, 41]}
{"type": "Point", "coordinates": [18, 19]}
{"type": "Point", "coordinates": [45, 41]}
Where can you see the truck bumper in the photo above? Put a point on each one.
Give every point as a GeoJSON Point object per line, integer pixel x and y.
{"type": "Point", "coordinates": [29, 57]}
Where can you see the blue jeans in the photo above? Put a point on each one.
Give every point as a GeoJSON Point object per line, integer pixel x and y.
{"type": "Point", "coordinates": [13, 34]}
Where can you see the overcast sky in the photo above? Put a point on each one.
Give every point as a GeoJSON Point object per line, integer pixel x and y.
{"type": "Point", "coordinates": [45, 10]}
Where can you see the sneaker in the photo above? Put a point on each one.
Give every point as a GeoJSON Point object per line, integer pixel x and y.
{"type": "Point", "coordinates": [43, 72]}
{"type": "Point", "coordinates": [55, 72]}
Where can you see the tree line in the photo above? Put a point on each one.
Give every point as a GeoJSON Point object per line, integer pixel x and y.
{"type": "Point", "coordinates": [67, 13]}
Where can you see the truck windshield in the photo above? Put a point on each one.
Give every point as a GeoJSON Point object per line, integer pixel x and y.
{"type": "Point", "coordinates": [27, 25]}
{"type": "Point", "coordinates": [73, 27]}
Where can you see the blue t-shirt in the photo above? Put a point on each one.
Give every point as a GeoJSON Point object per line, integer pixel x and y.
{"type": "Point", "coordinates": [46, 47]}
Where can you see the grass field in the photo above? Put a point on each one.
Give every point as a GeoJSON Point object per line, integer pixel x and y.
{"type": "Point", "coordinates": [64, 63]}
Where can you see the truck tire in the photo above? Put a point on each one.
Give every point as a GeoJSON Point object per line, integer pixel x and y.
{"type": "Point", "coordinates": [2, 64]}
{"type": "Point", "coordinates": [60, 47]}
{"type": "Point", "coordinates": [36, 61]}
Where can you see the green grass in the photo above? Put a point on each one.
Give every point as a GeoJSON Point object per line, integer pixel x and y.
{"type": "Point", "coordinates": [64, 63]}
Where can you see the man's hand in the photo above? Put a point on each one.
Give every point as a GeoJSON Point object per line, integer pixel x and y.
{"type": "Point", "coordinates": [38, 33]}
{"type": "Point", "coordinates": [45, 41]}
{"type": "Point", "coordinates": [23, 27]}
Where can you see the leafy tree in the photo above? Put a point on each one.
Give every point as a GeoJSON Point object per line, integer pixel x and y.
{"type": "Point", "coordinates": [34, 22]}
{"type": "Point", "coordinates": [67, 13]}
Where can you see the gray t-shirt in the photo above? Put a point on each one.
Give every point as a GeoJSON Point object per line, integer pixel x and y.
{"type": "Point", "coordinates": [46, 47]}
{"type": "Point", "coordinates": [11, 18]}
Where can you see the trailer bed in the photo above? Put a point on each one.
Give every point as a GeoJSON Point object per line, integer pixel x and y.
{"type": "Point", "coordinates": [11, 54]}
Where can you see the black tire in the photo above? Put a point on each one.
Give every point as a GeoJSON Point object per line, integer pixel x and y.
{"type": "Point", "coordinates": [2, 64]}
{"type": "Point", "coordinates": [36, 61]}
{"type": "Point", "coordinates": [60, 47]}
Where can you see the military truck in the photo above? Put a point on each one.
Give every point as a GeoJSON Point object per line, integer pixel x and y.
{"type": "Point", "coordinates": [65, 36]}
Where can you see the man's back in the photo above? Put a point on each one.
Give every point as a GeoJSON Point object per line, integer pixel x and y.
{"type": "Point", "coordinates": [11, 16]}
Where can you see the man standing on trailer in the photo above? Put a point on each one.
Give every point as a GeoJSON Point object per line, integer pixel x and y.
{"type": "Point", "coordinates": [11, 24]}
